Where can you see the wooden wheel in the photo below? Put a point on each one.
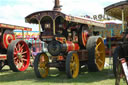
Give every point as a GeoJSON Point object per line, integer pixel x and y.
{"type": "Point", "coordinates": [40, 65]}
{"type": "Point", "coordinates": [7, 38]}
{"type": "Point", "coordinates": [18, 55]}
{"type": "Point", "coordinates": [96, 53]}
{"type": "Point", "coordinates": [72, 65]}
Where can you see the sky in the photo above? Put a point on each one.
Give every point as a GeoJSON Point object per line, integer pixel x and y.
{"type": "Point", "coordinates": [15, 11]}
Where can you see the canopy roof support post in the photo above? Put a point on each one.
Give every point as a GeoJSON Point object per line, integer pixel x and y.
{"type": "Point", "coordinates": [54, 27]}
{"type": "Point", "coordinates": [27, 35]}
{"type": "Point", "coordinates": [123, 22]}
{"type": "Point", "coordinates": [23, 34]}
{"type": "Point", "coordinates": [39, 26]}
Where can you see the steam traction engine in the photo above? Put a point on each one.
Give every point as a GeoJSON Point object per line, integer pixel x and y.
{"type": "Point", "coordinates": [70, 44]}
{"type": "Point", "coordinates": [13, 52]}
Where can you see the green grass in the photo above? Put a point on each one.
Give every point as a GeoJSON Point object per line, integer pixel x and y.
{"type": "Point", "coordinates": [7, 77]}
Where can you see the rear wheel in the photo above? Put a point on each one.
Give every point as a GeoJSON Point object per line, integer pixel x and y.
{"type": "Point", "coordinates": [18, 55]}
{"type": "Point", "coordinates": [7, 37]}
{"type": "Point", "coordinates": [72, 65]}
{"type": "Point", "coordinates": [96, 53]}
{"type": "Point", "coordinates": [40, 65]}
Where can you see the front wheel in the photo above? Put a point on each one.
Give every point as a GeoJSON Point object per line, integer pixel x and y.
{"type": "Point", "coordinates": [72, 65]}
{"type": "Point", "coordinates": [18, 55]}
{"type": "Point", "coordinates": [41, 65]}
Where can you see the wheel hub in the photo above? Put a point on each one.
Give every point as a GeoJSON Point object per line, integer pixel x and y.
{"type": "Point", "coordinates": [19, 56]}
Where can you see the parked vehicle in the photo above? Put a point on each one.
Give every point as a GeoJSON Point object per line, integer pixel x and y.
{"type": "Point", "coordinates": [13, 52]}
{"type": "Point", "coordinates": [71, 44]}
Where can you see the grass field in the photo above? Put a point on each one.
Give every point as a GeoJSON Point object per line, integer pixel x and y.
{"type": "Point", "coordinates": [105, 77]}
{"type": "Point", "coordinates": [7, 77]}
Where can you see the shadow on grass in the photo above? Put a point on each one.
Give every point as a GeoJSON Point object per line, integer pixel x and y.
{"type": "Point", "coordinates": [55, 76]}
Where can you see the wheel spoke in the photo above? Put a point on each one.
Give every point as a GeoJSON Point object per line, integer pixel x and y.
{"type": "Point", "coordinates": [16, 62]}
{"type": "Point", "coordinates": [15, 53]}
{"type": "Point", "coordinates": [15, 58]}
{"type": "Point", "coordinates": [98, 53]}
{"type": "Point", "coordinates": [97, 57]}
{"type": "Point", "coordinates": [22, 63]}
{"type": "Point", "coordinates": [23, 59]}
{"type": "Point", "coordinates": [16, 49]}
{"type": "Point", "coordinates": [19, 65]}
{"type": "Point", "coordinates": [42, 65]}
{"type": "Point", "coordinates": [23, 56]}
{"type": "Point", "coordinates": [99, 60]}
{"type": "Point", "coordinates": [98, 45]}
{"type": "Point", "coordinates": [101, 52]}
{"type": "Point", "coordinates": [24, 52]}
{"type": "Point", "coordinates": [21, 48]}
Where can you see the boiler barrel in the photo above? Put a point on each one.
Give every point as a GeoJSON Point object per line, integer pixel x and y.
{"type": "Point", "coordinates": [56, 47]}
{"type": "Point", "coordinates": [70, 46]}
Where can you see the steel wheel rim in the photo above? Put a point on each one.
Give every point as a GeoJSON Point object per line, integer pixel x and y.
{"type": "Point", "coordinates": [100, 54]}
{"type": "Point", "coordinates": [42, 66]}
{"type": "Point", "coordinates": [74, 65]}
{"type": "Point", "coordinates": [21, 56]}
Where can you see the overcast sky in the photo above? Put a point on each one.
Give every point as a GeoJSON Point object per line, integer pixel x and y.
{"type": "Point", "coordinates": [14, 11]}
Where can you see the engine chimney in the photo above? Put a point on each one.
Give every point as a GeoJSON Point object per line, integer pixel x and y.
{"type": "Point", "coordinates": [57, 6]}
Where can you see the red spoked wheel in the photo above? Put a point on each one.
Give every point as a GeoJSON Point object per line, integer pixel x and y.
{"type": "Point", "coordinates": [7, 37]}
{"type": "Point", "coordinates": [18, 55]}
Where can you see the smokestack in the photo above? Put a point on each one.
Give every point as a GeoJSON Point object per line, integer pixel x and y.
{"type": "Point", "coordinates": [57, 6]}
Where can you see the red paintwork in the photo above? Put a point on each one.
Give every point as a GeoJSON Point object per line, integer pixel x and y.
{"type": "Point", "coordinates": [7, 40]}
{"type": "Point", "coordinates": [72, 46]}
{"type": "Point", "coordinates": [22, 48]}
{"type": "Point", "coordinates": [84, 38]}
{"type": "Point", "coordinates": [3, 57]}
{"type": "Point", "coordinates": [7, 26]}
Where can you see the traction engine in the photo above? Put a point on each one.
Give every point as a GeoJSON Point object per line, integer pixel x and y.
{"type": "Point", "coordinates": [69, 41]}
{"type": "Point", "coordinates": [13, 52]}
